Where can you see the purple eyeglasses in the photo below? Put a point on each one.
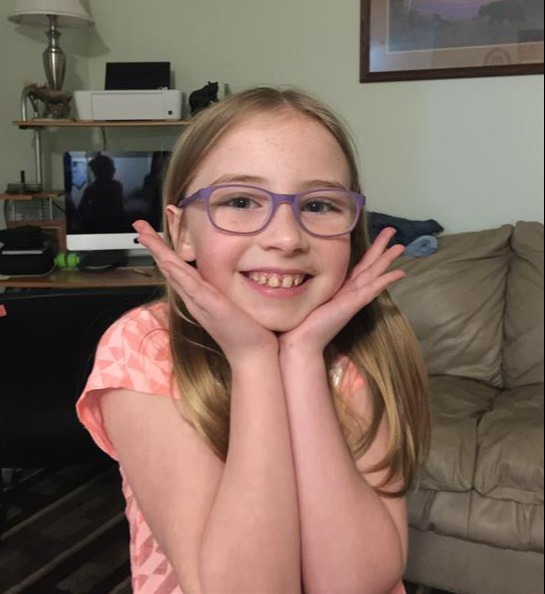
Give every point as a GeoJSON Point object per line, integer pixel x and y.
{"type": "Point", "coordinates": [247, 210]}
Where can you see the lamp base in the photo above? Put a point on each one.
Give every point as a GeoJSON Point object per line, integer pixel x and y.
{"type": "Point", "coordinates": [54, 57]}
{"type": "Point", "coordinates": [56, 103]}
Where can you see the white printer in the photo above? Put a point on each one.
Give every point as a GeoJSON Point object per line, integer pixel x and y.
{"type": "Point", "coordinates": [161, 104]}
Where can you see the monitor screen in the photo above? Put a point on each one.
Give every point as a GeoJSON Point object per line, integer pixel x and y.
{"type": "Point", "coordinates": [106, 192]}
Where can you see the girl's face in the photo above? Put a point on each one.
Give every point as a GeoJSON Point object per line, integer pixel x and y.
{"type": "Point", "coordinates": [283, 153]}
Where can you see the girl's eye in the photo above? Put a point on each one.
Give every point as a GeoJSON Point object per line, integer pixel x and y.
{"type": "Point", "coordinates": [240, 202]}
{"type": "Point", "coordinates": [319, 207]}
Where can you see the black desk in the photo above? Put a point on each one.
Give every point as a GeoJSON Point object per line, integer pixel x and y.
{"type": "Point", "coordinates": [48, 340]}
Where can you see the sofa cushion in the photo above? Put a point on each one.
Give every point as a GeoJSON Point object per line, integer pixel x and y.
{"type": "Point", "coordinates": [524, 323]}
{"type": "Point", "coordinates": [456, 405]}
{"type": "Point", "coordinates": [455, 301]}
{"type": "Point", "coordinates": [510, 458]}
{"type": "Point", "coordinates": [469, 516]}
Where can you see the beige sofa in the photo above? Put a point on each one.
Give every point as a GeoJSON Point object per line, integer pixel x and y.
{"type": "Point", "coordinates": [477, 516]}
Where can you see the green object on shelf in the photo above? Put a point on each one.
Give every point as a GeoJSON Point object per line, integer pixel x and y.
{"type": "Point", "coordinates": [66, 261]}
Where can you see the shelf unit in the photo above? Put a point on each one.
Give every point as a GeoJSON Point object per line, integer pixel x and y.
{"type": "Point", "coordinates": [50, 123]}
{"type": "Point", "coordinates": [40, 195]}
{"type": "Point", "coordinates": [38, 126]}
{"type": "Point", "coordinates": [44, 196]}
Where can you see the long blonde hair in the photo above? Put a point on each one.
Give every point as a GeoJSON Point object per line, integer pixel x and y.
{"type": "Point", "coordinates": [378, 341]}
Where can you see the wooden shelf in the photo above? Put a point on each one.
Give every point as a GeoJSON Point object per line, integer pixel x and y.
{"type": "Point", "coordinates": [74, 279]}
{"type": "Point", "coordinates": [99, 123]}
{"type": "Point", "coordinates": [39, 196]}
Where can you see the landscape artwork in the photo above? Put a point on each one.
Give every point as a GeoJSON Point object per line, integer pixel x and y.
{"type": "Point", "coordinates": [440, 24]}
{"type": "Point", "coordinates": [416, 39]}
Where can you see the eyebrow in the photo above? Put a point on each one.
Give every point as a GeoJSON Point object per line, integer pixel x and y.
{"type": "Point", "coordinates": [230, 178]}
{"type": "Point", "coordinates": [234, 178]}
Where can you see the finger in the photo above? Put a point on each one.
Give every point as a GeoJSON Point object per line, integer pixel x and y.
{"type": "Point", "coordinates": [145, 230]}
{"type": "Point", "coordinates": [381, 265]}
{"type": "Point", "coordinates": [367, 292]}
{"type": "Point", "coordinates": [204, 302]}
{"type": "Point", "coordinates": [176, 270]}
{"type": "Point", "coordinates": [348, 303]}
{"type": "Point", "coordinates": [384, 282]}
{"type": "Point", "coordinates": [378, 247]}
{"type": "Point", "coordinates": [146, 233]}
{"type": "Point", "coordinates": [182, 276]}
{"type": "Point", "coordinates": [157, 246]}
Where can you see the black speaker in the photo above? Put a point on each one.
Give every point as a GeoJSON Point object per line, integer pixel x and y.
{"type": "Point", "coordinates": [129, 76]}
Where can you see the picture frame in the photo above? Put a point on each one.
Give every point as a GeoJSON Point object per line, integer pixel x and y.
{"type": "Point", "coordinates": [405, 40]}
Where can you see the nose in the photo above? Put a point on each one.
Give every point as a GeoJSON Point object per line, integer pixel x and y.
{"type": "Point", "coordinates": [284, 232]}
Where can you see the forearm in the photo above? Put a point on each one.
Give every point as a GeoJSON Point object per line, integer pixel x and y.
{"type": "Point", "coordinates": [350, 543]}
{"type": "Point", "coordinates": [252, 540]}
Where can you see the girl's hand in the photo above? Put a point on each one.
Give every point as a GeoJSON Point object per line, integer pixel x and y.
{"type": "Point", "coordinates": [367, 281]}
{"type": "Point", "coordinates": [236, 332]}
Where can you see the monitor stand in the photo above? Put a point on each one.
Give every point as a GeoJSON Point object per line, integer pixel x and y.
{"type": "Point", "coordinates": [102, 260]}
{"type": "Point", "coordinates": [141, 260]}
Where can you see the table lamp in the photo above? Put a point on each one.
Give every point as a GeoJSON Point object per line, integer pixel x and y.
{"type": "Point", "coordinates": [52, 14]}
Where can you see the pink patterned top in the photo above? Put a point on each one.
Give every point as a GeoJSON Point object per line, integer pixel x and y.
{"type": "Point", "coordinates": [134, 354]}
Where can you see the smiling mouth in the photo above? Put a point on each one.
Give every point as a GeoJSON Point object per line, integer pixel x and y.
{"type": "Point", "coordinates": [277, 281]}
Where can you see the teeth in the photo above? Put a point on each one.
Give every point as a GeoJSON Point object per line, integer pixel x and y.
{"type": "Point", "coordinates": [288, 282]}
{"type": "Point", "coordinates": [277, 281]}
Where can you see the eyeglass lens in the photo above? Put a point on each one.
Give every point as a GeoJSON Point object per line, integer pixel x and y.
{"type": "Point", "coordinates": [248, 210]}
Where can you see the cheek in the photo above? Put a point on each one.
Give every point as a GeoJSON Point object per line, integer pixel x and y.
{"type": "Point", "coordinates": [336, 262]}
{"type": "Point", "coordinates": [212, 251]}
{"type": "Point", "coordinates": [216, 260]}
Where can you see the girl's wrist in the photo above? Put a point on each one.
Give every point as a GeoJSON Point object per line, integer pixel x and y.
{"type": "Point", "coordinates": [298, 352]}
{"type": "Point", "coordinates": [265, 357]}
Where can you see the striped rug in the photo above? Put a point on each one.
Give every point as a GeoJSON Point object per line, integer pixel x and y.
{"type": "Point", "coordinates": [65, 532]}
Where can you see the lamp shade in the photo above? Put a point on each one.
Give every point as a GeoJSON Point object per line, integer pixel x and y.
{"type": "Point", "coordinates": [69, 13]}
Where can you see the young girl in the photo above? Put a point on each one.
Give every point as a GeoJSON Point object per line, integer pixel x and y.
{"type": "Point", "coordinates": [268, 417]}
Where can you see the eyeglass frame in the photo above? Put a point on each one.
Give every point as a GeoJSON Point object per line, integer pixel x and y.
{"type": "Point", "coordinates": [277, 200]}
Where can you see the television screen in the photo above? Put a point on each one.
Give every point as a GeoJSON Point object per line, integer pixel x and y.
{"type": "Point", "coordinates": [106, 192]}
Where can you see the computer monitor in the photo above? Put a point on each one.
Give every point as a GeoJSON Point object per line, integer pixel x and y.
{"type": "Point", "coordinates": [106, 192]}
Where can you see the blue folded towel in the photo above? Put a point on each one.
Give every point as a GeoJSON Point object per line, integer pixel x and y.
{"type": "Point", "coordinates": [426, 245]}
{"type": "Point", "coordinates": [407, 230]}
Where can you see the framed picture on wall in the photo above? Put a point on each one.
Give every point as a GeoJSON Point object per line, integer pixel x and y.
{"type": "Point", "coordinates": [430, 39]}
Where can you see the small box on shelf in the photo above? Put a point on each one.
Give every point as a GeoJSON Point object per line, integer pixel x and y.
{"type": "Point", "coordinates": [56, 228]}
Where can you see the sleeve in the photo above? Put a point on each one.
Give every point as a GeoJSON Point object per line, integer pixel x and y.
{"type": "Point", "coordinates": [133, 354]}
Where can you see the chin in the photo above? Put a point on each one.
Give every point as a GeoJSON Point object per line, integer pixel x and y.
{"type": "Point", "coordinates": [282, 329]}
{"type": "Point", "coordinates": [279, 326]}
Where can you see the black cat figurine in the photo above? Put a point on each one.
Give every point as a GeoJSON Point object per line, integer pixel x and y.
{"type": "Point", "coordinates": [203, 98]}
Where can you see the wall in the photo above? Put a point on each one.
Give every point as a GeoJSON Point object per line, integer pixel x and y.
{"type": "Point", "coordinates": [467, 152]}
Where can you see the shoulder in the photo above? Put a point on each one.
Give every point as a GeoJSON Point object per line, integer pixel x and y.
{"type": "Point", "coordinates": [140, 325]}
{"type": "Point", "coordinates": [153, 315]}
{"type": "Point", "coordinates": [136, 351]}
{"type": "Point", "coordinates": [133, 355]}
{"type": "Point", "coordinates": [140, 339]}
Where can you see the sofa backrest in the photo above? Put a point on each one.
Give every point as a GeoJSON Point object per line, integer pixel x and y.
{"type": "Point", "coordinates": [455, 301]}
{"type": "Point", "coordinates": [523, 351]}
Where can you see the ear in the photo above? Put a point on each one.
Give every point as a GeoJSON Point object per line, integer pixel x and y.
{"type": "Point", "coordinates": [179, 233]}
